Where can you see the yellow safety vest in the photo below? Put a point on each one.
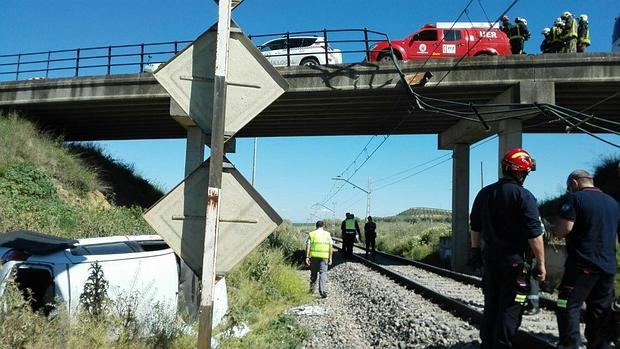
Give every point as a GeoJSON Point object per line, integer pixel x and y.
{"type": "Point", "coordinates": [349, 224]}
{"type": "Point", "coordinates": [572, 34]}
{"type": "Point", "coordinates": [320, 240]}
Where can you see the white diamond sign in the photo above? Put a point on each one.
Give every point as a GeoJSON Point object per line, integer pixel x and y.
{"type": "Point", "coordinates": [246, 218]}
{"type": "Point", "coordinates": [252, 82]}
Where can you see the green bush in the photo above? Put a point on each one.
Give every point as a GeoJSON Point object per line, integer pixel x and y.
{"type": "Point", "coordinates": [417, 241]}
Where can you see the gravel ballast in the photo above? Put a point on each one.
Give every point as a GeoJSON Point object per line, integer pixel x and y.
{"type": "Point", "coordinates": [365, 309]}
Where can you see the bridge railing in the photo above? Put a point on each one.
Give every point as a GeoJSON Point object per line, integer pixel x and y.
{"type": "Point", "coordinates": [102, 60]}
{"type": "Point", "coordinates": [354, 45]}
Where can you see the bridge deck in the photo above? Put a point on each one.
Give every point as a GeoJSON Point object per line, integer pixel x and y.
{"type": "Point", "coordinates": [354, 99]}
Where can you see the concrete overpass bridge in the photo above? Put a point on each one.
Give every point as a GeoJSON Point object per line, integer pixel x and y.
{"type": "Point", "coordinates": [351, 99]}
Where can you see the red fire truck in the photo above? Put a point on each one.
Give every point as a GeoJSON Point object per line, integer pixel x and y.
{"type": "Point", "coordinates": [445, 40]}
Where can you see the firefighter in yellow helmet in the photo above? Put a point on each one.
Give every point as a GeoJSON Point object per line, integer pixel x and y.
{"type": "Point", "coordinates": [319, 251]}
{"type": "Point", "coordinates": [569, 33]}
{"type": "Point", "coordinates": [583, 34]}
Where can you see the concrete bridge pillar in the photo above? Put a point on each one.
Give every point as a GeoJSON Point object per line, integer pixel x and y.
{"type": "Point", "coordinates": [510, 136]}
{"type": "Point", "coordinates": [194, 150]}
{"type": "Point", "coordinates": [460, 206]}
{"type": "Point", "coordinates": [511, 131]}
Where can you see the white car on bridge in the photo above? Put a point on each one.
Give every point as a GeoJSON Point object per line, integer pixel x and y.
{"type": "Point", "coordinates": [303, 50]}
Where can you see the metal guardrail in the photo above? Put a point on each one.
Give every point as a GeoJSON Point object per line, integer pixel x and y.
{"type": "Point", "coordinates": [102, 60]}
{"type": "Point", "coordinates": [128, 59]}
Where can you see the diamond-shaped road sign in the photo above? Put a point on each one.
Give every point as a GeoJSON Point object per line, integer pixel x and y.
{"type": "Point", "coordinates": [252, 82]}
{"type": "Point", "coordinates": [237, 237]}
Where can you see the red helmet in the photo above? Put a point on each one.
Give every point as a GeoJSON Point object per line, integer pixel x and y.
{"type": "Point", "coordinates": [518, 160]}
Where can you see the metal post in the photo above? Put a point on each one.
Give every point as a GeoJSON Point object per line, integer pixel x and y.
{"type": "Point", "coordinates": [109, 59]}
{"type": "Point", "coordinates": [142, 58]}
{"type": "Point", "coordinates": [77, 62]}
{"type": "Point", "coordinates": [254, 162]}
{"type": "Point", "coordinates": [325, 38]}
{"type": "Point", "coordinates": [288, 50]}
{"type": "Point", "coordinates": [176, 47]}
{"type": "Point", "coordinates": [19, 59]}
{"type": "Point", "coordinates": [215, 175]}
{"type": "Point", "coordinates": [368, 198]}
{"type": "Point", "coordinates": [367, 46]}
{"type": "Point", "coordinates": [47, 66]}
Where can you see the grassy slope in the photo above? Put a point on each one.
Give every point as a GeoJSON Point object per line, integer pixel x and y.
{"type": "Point", "coordinates": [45, 187]}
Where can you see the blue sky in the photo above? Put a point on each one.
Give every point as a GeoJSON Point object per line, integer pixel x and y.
{"type": "Point", "coordinates": [294, 173]}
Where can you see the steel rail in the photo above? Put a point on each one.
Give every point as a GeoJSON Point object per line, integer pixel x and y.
{"type": "Point", "coordinates": [545, 302]}
{"type": "Point", "coordinates": [522, 339]}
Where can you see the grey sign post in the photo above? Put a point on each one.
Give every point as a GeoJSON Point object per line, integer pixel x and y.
{"type": "Point", "coordinates": [215, 175]}
{"type": "Point", "coordinates": [218, 64]}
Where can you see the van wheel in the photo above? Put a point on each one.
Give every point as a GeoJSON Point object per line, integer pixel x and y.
{"type": "Point", "coordinates": [386, 56]}
{"type": "Point", "coordinates": [309, 62]}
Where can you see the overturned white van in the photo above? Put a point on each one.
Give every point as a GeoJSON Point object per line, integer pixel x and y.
{"type": "Point", "coordinates": [57, 268]}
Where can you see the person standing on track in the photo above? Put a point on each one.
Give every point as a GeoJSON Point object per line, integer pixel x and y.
{"type": "Point", "coordinates": [590, 222]}
{"type": "Point", "coordinates": [504, 220]}
{"type": "Point", "coordinates": [370, 235]}
{"type": "Point", "coordinates": [319, 251]}
{"type": "Point", "coordinates": [349, 229]}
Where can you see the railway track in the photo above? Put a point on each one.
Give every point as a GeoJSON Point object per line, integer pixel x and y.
{"type": "Point", "coordinates": [460, 294]}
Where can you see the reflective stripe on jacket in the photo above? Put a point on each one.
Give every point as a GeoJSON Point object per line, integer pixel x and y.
{"type": "Point", "coordinates": [515, 33]}
{"type": "Point", "coordinates": [320, 241]}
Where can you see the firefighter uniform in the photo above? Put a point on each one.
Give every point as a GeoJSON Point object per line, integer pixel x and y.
{"type": "Point", "coordinates": [590, 220]}
{"type": "Point", "coordinates": [569, 33]}
{"type": "Point", "coordinates": [557, 42]}
{"type": "Point", "coordinates": [318, 257]}
{"type": "Point", "coordinates": [583, 34]}
{"type": "Point", "coordinates": [518, 34]}
{"type": "Point", "coordinates": [349, 229]}
{"type": "Point", "coordinates": [505, 215]}
{"type": "Point", "coordinates": [545, 46]}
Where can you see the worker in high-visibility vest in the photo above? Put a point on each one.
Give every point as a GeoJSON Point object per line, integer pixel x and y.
{"type": "Point", "coordinates": [349, 228]}
{"type": "Point", "coordinates": [319, 251]}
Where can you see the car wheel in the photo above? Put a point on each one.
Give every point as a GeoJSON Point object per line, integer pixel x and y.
{"type": "Point", "coordinates": [387, 57]}
{"type": "Point", "coordinates": [483, 54]}
{"type": "Point", "coordinates": [309, 62]}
